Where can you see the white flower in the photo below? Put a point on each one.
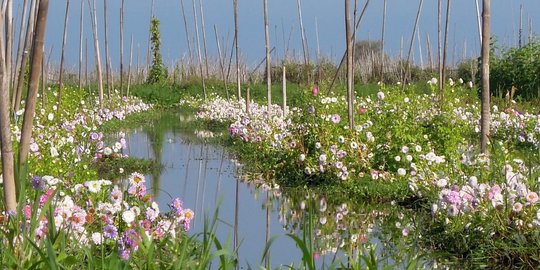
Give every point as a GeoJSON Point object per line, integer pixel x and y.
{"type": "Point", "coordinates": [460, 81]}
{"type": "Point", "coordinates": [406, 100]}
{"type": "Point", "coordinates": [409, 158]}
{"type": "Point", "coordinates": [401, 172]}
{"type": "Point", "coordinates": [470, 84]}
{"type": "Point", "coordinates": [397, 158]}
{"type": "Point", "coordinates": [107, 151]}
{"type": "Point", "coordinates": [54, 152]}
{"type": "Point", "coordinates": [97, 238]}
{"type": "Point", "coordinates": [442, 182]}
{"type": "Point", "coordinates": [302, 157]}
{"type": "Point", "coordinates": [380, 95]}
{"type": "Point", "coordinates": [93, 186]}
{"type": "Point", "coordinates": [128, 216]}
{"type": "Point", "coordinates": [50, 116]}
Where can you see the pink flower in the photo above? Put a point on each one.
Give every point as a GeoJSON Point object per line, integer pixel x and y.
{"type": "Point", "coordinates": [362, 110]}
{"type": "Point", "coordinates": [336, 118]}
{"type": "Point", "coordinates": [532, 197]}
{"type": "Point", "coordinates": [315, 91]}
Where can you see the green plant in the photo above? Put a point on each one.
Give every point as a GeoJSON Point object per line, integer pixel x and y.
{"type": "Point", "coordinates": [157, 72]}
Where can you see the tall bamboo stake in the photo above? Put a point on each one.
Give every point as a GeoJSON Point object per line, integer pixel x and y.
{"type": "Point", "coordinates": [520, 33]}
{"type": "Point", "coordinates": [203, 28]}
{"type": "Point", "coordinates": [284, 90]}
{"type": "Point", "coordinates": [16, 99]}
{"type": "Point", "coordinates": [62, 58]}
{"type": "Point", "coordinates": [9, 40]}
{"type": "Point", "coordinates": [350, 76]}
{"type": "Point", "coordinates": [81, 34]}
{"type": "Point", "coordinates": [420, 49]}
{"type": "Point", "coordinates": [268, 60]}
{"type": "Point", "coordinates": [96, 49]}
{"type": "Point", "coordinates": [188, 40]}
{"type": "Point", "coordinates": [478, 20]}
{"type": "Point", "coordinates": [130, 64]}
{"type": "Point", "coordinates": [439, 45]}
{"type": "Point", "coordinates": [485, 120]}
{"type": "Point", "coordinates": [239, 93]}
{"type": "Point", "coordinates": [86, 62]}
{"type": "Point", "coordinates": [443, 74]}
{"type": "Point", "coordinates": [382, 41]}
{"type": "Point", "coordinates": [122, 11]}
{"type": "Point", "coordinates": [430, 53]}
{"type": "Point", "coordinates": [6, 144]}
{"type": "Point", "coordinates": [412, 42]}
{"type": "Point", "coordinates": [345, 53]}
{"type": "Point", "coordinates": [303, 34]}
{"type": "Point", "coordinates": [15, 70]}
{"type": "Point", "coordinates": [199, 54]}
{"type": "Point", "coordinates": [107, 56]}
{"type": "Point", "coordinates": [33, 84]}
{"type": "Point", "coordinates": [221, 63]}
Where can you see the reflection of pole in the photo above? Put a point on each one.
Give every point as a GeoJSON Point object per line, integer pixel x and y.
{"type": "Point", "coordinates": [187, 170]}
{"type": "Point", "coordinates": [236, 206]}
{"type": "Point", "coordinates": [204, 177]}
{"type": "Point", "coordinates": [267, 257]}
{"type": "Point", "coordinates": [218, 187]}
{"type": "Point", "coordinates": [198, 183]}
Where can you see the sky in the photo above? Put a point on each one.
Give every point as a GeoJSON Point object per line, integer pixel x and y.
{"type": "Point", "coordinates": [325, 15]}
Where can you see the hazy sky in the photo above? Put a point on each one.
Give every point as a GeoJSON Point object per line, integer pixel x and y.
{"type": "Point", "coordinates": [284, 26]}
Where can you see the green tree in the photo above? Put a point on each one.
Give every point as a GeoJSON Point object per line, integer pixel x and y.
{"type": "Point", "coordinates": [157, 72]}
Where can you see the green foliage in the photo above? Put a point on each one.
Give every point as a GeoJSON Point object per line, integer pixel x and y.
{"type": "Point", "coordinates": [517, 68]}
{"type": "Point", "coordinates": [157, 73]}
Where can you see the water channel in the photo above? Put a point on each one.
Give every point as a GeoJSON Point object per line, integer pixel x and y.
{"type": "Point", "coordinates": [206, 177]}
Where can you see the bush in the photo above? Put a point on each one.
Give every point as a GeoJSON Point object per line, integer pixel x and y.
{"type": "Point", "coordinates": [517, 68]}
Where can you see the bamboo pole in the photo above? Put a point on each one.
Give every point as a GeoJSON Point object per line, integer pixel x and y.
{"type": "Point", "coordinates": [412, 43]}
{"type": "Point", "coordinates": [187, 32]}
{"type": "Point", "coordinates": [9, 40]}
{"type": "Point", "coordinates": [430, 53]}
{"type": "Point", "coordinates": [16, 99]}
{"type": "Point", "coordinates": [6, 144]}
{"type": "Point", "coordinates": [96, 48]}
{"type": "Point", "coordinates": [439, 45]}
{"type": "Point", "coordinates": [15, 72]}
{"type": "Point", "coordinates": [485, 120]}
{"type": "Point", "coordinates": [86, 63]}
{"type": "Point", "coordinates": [33, 84]}
{"type": "Point", "coordinates": [107, 55]}
{"type": "Point", "coordinates": [350, 75]}
{"type": "Point", "coordinates": [303, 34]}
{"type": "Point", "coordinates": [199, 54]}
{"type": "Point", "coordinates": [443, 73]}
{"type": "Point", "coordinates": [237, 53]}
{"type": "Point", "coordinates": [478, 20]}
{"type": "Point", "coordinates": [268, 60]}
{"type": "Point", "coordinates": [382, 42]}
{"type": "Point", "coordinates": [203, 28]}
{"type": "Point", "coordinates": [284, 91]}
{"type": "Point", "coordinates": [345, 53]}
{"type": "Point", "coordinates": [122, 11]}
{"type": "Point", "coordinates": [420, 49]}
{"type": "Point", "coordinates": [81, 34]}
{"type": "Point", "coordinates": [62, 57]}
{"type": "Point", "coordinates": [130, 64]}
{"type": "Point", "coordinates": [221, 63]}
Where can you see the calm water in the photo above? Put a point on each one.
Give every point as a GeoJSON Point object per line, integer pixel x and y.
{"type": "Point", "coordinates": [207, 178]}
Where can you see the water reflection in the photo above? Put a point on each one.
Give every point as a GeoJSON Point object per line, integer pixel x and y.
{"type": "Point", "coordinates": [252, 210]}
